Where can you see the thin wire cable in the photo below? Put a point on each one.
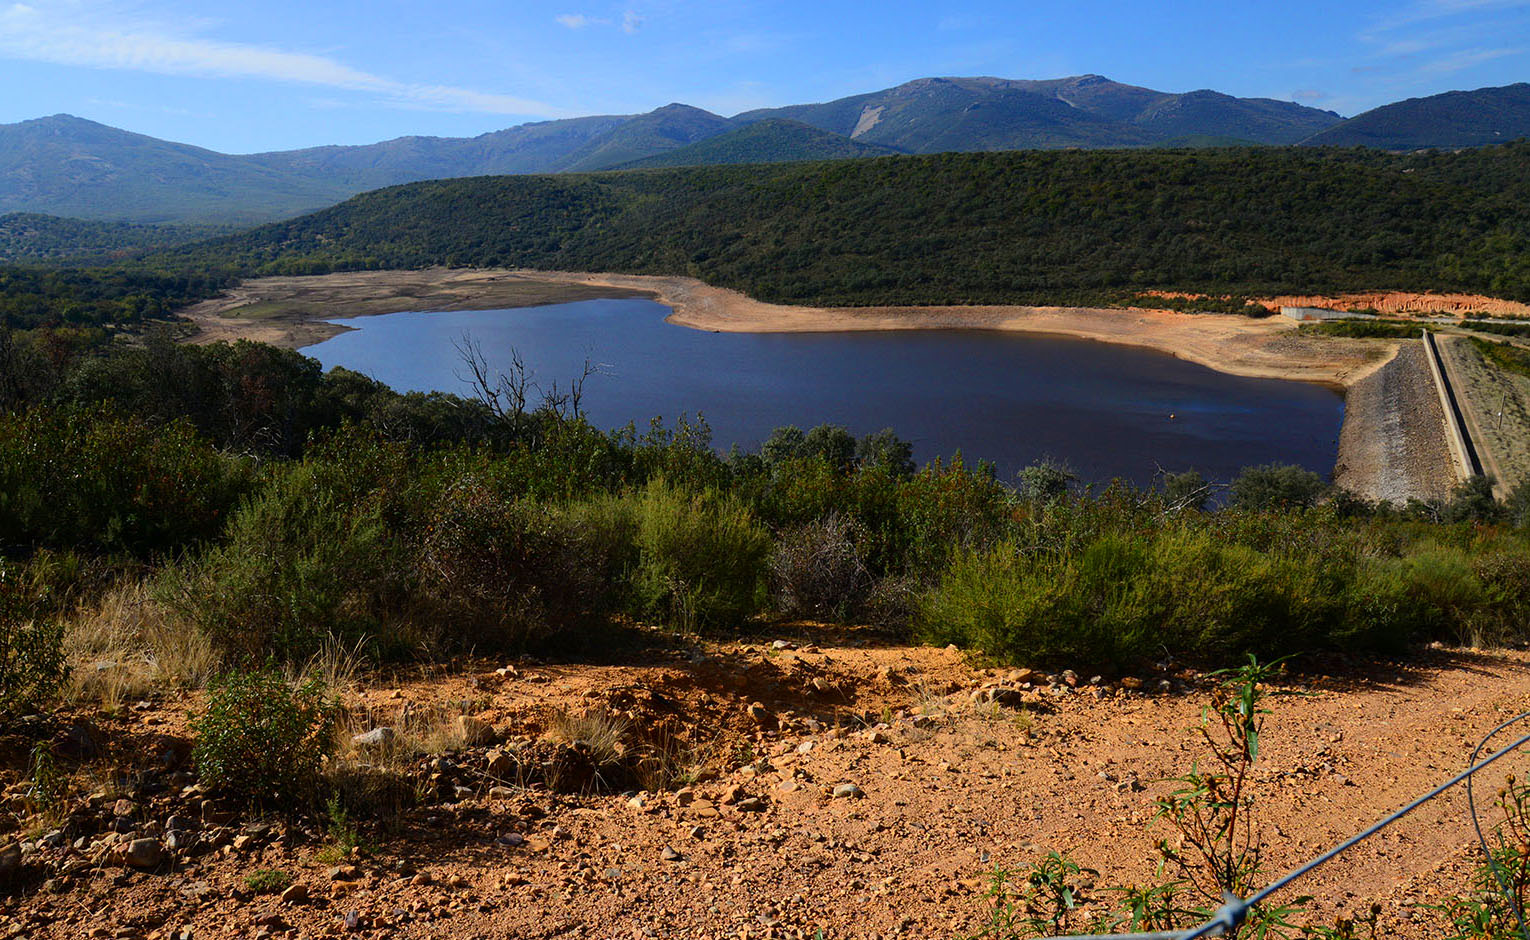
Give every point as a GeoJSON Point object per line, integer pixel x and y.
{"type": "Point", "coordinates": [1231, 914]}
{"type": "Point", "coordinates": [1487, 852]}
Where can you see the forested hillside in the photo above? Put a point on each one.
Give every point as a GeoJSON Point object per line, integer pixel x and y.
{"type": "Point", "coordinates": [959, 228]}
{"type": "Point", "coordinates": [29, 236]}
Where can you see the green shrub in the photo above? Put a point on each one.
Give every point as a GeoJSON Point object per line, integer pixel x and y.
{"type": "Point", "coordinates": [701, 558]}
{"type": "Point", "coordinates": [322, 550]}
{"type": "Point", "coordinates": [32, 665]}
{"type": "Point", "coordinates": [1123, 598]}
{"type": "Point", "coordinates": [262, 739]}
{"type": "Point", "coordinates": [268, 881]}
{"type": "Point", "coordinates": [301, 563]}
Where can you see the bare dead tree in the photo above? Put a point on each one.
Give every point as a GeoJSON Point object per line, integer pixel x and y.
{"type": "Point", "coordinates": [508, 394]}
{"type": "Point", "coordinates": [505, 394]}
{"type": "Point", "coordinates": [567, 404]}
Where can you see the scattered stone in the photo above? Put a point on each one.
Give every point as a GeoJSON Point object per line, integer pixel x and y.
{"type": "Point", "coordinates": [848, 791]}
{"type": "Point", "coordinates": [806, 747]}
{"type": "Point", "coordinates": [499, 765]}
{"type": "Point", "coordinates": [501, 793]}
{"type": "Point", "coordinates": [295, 894]}
{"type": "Point", "coordinates": [732, 795]}
{"type": "Point", "coordinates": [10, 861]}
{"type": "Point", "coordinates": [763, 716]}
{"type": "Point", "coordinates": [782, 645]}
{"type": "Point", "coordinates": [474, 731]}
{"type": "Point", "coordinates": [685, 796]}
{"type": "Point", "coordinates": [752, 804]}
{"type": "Point", "coordinates": [377, 739]}
{"type": "Point", "coordinates": [670, 855]}
{"type": "Point", "coordinates": [1131, 683]}
{"type": "Point", "coordinates": [344, 873]}
{"type": "Point", "coordinates": [143, 854]}
{"type": "Point", "coordinates": [177, 821]}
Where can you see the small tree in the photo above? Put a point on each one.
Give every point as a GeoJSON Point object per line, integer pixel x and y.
{"type": "Point", "coordinates": [1277, 486]}
{"type": "Point", "coordinates": [1047, 481]}
{"type": "Point", "coordinates": [1472, 501]}
{"type": "Point", "coordinates": [888, 451]}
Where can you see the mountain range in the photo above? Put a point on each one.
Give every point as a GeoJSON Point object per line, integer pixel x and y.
{"type": "Point", "coordinates": [68, 166]}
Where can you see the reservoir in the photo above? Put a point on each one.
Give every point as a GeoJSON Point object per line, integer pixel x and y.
{"type": "Point", "coordinates": [1010, 398]}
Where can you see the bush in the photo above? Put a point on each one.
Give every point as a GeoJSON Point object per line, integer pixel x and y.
{"type": "Point", "coordinates": [816, 571]}
{"type": "Point", "coordinates": [701, 558]}
{"type": "Point", "coordinates": [1047, 481]}
{"type": "Point", "coordinates": [32, 664]}
{"type": "Point", "coordinates": [316, 553]}
{"type": "Point", "coordinates": [299, 565]}
{"type": "Point", "coordinates": [1472, 500]}
{"type": "Point", "coordinates": [263, 740]}
{"type": "Point", "coordinates": [1277, 486]}
{"type": "Point", "coordinates": [1124, 598]}
{"type": "Point", "coordinates": [505, 572]}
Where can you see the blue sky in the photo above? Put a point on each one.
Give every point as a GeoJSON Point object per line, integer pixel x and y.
{"type": "Point", "coordinates": [242, 77]}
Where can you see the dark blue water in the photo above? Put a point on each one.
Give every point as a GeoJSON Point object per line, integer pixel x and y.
{"type": "Point", "coordinates": [1108, 411]}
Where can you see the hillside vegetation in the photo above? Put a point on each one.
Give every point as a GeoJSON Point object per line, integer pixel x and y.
{"type": "Point", "coordinates": [30, 237]}
{"type": "Point", "coordinates": [959, 228]}
{"type": "Point", "coordinates": [769, 141]}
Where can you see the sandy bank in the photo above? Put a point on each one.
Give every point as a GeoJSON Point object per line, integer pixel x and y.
{"type": "Point", "coordinates": [1267, 348]}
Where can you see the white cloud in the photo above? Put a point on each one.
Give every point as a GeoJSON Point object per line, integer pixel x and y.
{"type": "Point", "coordinates": [1465, 59]}
{"type": "Point", "coordinates": [60, 36]}
{"type": "Point", "coordinates": [631, 22]}
{"type": "Point", "coordinates": [580, 21]}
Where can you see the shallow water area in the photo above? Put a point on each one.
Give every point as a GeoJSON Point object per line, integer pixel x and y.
{"type": "Point", "coordinates": [1009, 398]}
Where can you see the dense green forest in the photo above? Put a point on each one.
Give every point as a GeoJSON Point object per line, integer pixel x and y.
{"type": "Point", "coordinates": [1060, 227]}
{"type": "Point", "coordinates": [963, 228]}
{"type": "Point", "coordinates": [30, 237]}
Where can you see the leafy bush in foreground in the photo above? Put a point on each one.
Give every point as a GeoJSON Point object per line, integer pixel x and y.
{"type": "Point", "coordinates": [1126, 597]}
{"type": "Point", "coordinates": [262, 739]}
{"type": "Point", "coordinates": [32, 666]}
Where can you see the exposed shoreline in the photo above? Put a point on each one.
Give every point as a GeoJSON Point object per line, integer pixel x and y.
{"type": "Point", "coordinates": [290, 312]}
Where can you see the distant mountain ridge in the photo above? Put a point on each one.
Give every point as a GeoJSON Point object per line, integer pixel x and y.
{"type": "Point", "coordinates": [1448, 121]}
{"type": "Point", "coordinates": [931, 115]}
{"type": "Point", "coordinates": [68, 166]}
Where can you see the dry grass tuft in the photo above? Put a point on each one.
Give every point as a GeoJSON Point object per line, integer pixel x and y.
{"type": "Point", "coordinates": [127, 645]}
